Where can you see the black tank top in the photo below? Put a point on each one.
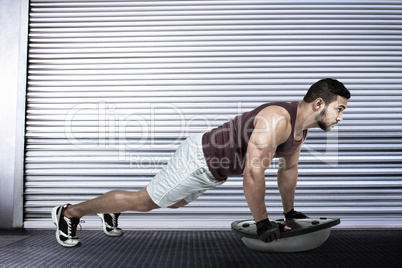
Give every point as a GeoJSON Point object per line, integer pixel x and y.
{"type": "Point", "coordinates": [225, 147]}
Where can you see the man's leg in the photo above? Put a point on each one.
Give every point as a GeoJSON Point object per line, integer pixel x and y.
{"type": "Point", "coordinates": [67, 217]}
{"type": "Point", "coordinates": [113, 202]}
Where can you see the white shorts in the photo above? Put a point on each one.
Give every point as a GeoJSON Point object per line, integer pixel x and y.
{"type": "Point", "coordinates": [186, 176]}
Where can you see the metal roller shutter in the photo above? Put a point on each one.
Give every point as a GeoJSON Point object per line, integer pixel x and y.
{"type": "Point", "coordinates": [115, 86]}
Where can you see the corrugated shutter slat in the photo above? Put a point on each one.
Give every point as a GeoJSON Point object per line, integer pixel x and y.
{"type": "Point", "coordinates": [115, 86]}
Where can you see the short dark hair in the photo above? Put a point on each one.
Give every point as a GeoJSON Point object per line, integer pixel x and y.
{"type": "Point", "coordinates": [328, 89]}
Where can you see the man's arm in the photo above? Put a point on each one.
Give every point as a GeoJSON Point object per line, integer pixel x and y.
{"type": "Point", "coordinates": [258, 160]}
{"type": "Point", "coordinates": [272, 127]}
{"type": "Point", "coordinates": [287, 179]}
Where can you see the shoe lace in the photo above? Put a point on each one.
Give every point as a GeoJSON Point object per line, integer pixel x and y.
{"type": "Point", "coordinates": [115, 219]}
{"type": "Point", "coordinates": [72, 226]}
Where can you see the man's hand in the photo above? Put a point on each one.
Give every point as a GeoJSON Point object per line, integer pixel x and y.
{"type": "Point", "coordinates": [270, 231]}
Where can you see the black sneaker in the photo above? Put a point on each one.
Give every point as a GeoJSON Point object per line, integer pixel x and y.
{"type": "Point", "coordinates": [292, 214]}
{"type": "Point", "coordinates": [65, 227]}
{"type": "Point", "coordinates": [109, 224]}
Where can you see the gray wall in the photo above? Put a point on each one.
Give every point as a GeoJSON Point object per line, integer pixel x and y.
{"type": "Point", "coordinates": [114, 86]}
{"type": "Point", "coordinates": [13, 54]}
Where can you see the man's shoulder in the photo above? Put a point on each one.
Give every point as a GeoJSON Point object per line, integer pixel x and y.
{"type": "Point", "coordinates": [275, 118]}
{"type": "Point", "coordinates": [273, 125]}
{"type": "Point", "coordinates": [275, 112]}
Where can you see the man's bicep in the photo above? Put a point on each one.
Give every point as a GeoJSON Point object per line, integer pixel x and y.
{"type": "Point", "coordinates": [268, 133]}
{"type": "Point", "coordinates": [259, 152]}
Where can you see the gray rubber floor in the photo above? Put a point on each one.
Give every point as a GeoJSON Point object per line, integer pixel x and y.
{"type": "Point", "coordinates": [35, 248]}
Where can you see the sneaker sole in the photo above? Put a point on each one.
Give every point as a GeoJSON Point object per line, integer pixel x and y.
{"type": "Point", "coordinates": [54, 219]}
{"type": "Point", "coordinates": [104, 227]}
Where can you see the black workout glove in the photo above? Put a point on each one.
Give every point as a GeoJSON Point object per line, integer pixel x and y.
{"type": "Point", "coordinates": [292, 214]}
{"type": "Point", "coordinates": [269, 230]}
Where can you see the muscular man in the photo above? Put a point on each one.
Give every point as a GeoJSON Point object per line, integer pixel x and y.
{"type": "Point", "coordinates": [245, 145]}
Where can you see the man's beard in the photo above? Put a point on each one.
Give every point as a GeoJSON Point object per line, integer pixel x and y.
{"type": "Point", "coordinates": [319, 118]}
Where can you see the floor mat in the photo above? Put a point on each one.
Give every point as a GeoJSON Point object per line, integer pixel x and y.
{"type": "Point", "coordinates": [198, 249]}
{"type": "Point", "coordinates": [6, 240]}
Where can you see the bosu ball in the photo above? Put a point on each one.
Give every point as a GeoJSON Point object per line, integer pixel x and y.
{"type": "Point", "coordinates": [306, 234]}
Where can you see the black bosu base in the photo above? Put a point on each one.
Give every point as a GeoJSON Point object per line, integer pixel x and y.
{"type": "Point", "coordinates": [306, 234]}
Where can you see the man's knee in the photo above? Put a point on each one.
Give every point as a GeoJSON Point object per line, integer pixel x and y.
{"type": "Point", "coordinates": [143, 202]}
{"type": "Point", "coordinates": [146, 205]}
